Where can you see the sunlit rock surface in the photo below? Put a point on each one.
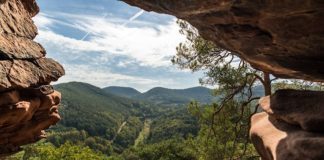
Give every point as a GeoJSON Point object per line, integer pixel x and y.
{"type": "Point", "coordinates": [291, 126]}
{"type": "Point", "coordinates": [28, 104]}
{"type": "Point", "coordinates": [283, 37]}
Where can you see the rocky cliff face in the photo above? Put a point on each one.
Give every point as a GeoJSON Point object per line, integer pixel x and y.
{"type": "Point", "coordinates": [28, 104]}
{"type": "Point", "coordinates": [291, 126]}
{"type": "Point", "coordinates": [282, 37]}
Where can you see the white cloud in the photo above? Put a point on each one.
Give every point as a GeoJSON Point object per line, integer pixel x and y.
{"type": "Point", "coordinates": [42, 21]}
{"type": "Point", "coordinates": [122, 64]}
{"type": "Point", "coordinates": [147, 45]}
{"type": "Point", "coordinates": [64, 43]}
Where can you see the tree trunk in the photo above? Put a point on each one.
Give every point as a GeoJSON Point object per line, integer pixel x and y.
{"type": "Point", "coordinates": [267, 84]}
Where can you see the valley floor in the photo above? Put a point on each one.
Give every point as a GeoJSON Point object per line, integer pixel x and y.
{"type": "Point", "coordinates": [144, 133]}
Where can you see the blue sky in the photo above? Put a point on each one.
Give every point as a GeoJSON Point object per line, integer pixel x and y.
{"type": "Point", "coordinates": [118, 51]}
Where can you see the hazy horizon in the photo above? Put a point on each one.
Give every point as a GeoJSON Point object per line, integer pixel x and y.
{"type": "Point", "coordinates": [142, 91]}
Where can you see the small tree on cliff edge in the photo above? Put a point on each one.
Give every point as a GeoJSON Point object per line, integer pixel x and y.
{"type": "Point", "coordinates": [234, 78]}
{"type": "Point", "coordinates": [231, 74]}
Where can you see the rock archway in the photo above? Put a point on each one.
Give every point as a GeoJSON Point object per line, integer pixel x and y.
{"type": "Point", "coordinates": [284, 38]}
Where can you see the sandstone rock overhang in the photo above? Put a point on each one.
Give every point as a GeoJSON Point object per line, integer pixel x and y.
{"type": "Point", "coordinates": [284, 38]}
{"type": "Point", "coordinates": [28, 104]}
{"type": "Point", "coordinates": [22, 61]}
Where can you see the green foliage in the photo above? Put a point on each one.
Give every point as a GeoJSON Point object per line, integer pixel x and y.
{"type": "Point", "coordinates": [89, 105]}
{"type": "Point", "coordinates": [171, 122]}
{"type": "Point", "coordinates": [76, 137]}
{"type": "Point", "coordinates": [171, 149]}
{"type": "Point", "coordinates": [122, 91]}
{"type": "Point", "coordinates": [222, 68]}
{"type": "Point", "coordinates": [298, 84]}
{"type": "Point", "coordinates": [90, 125]}
{"type": "Point", "coordinates": [164, 96]}
{"type": "Point", "coordinates": [222, 136]}
{"type": "Point", "coordinates": [143, 135]}
{"type": "Point", "coordinates": [129, 133]}
{"type": "Point", "coordinates": [99, 114]}
{"type": "Point", "coordinates": [94, 118]}
{"type": "Point", "coordinates": [66, 151]}
{"type": "Point", "coordinates": [224, 124]}
{"type": "Point", "coordinates": [197, 53]}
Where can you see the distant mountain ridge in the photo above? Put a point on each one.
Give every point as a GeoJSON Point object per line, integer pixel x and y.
{"type": "Point", "coordinates": [157, 95]}
{"type": "Point", "coordinates": [160, 95]}
{"type": "Point", "coordinates": [122, 91]}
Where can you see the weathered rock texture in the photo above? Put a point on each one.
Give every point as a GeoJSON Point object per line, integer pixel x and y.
{"type": "Point", "coordinates": [28, 104]}
{"type": "Point", "coordinates": [283, 37]}
{"type": "Point", "coordinates": [302, 108]}
{"type": "Point", "coordinates": [291, 126]}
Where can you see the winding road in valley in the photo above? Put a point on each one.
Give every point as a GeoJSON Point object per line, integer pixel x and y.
{"type": "Point", "coordinates": [119, 130]}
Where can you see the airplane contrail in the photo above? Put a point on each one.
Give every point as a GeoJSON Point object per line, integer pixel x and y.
{"type": "Point", "coordinates": [88, 33]}
{"type": "Point", "coordinates": [135, 16]}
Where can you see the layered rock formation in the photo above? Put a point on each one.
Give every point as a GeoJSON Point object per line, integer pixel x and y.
{"type": "Point", "coordinates": [282, 37]}
{"type": "Point", "coordinates": [28, 104]}
{"type": "Point", "coordinates": [291, 126]}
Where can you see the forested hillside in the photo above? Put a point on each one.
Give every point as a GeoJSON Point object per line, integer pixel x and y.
{"type": "Point", "coordinates": [97, 117]}
{"type": "Point", "coordinates": [112, 124]}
